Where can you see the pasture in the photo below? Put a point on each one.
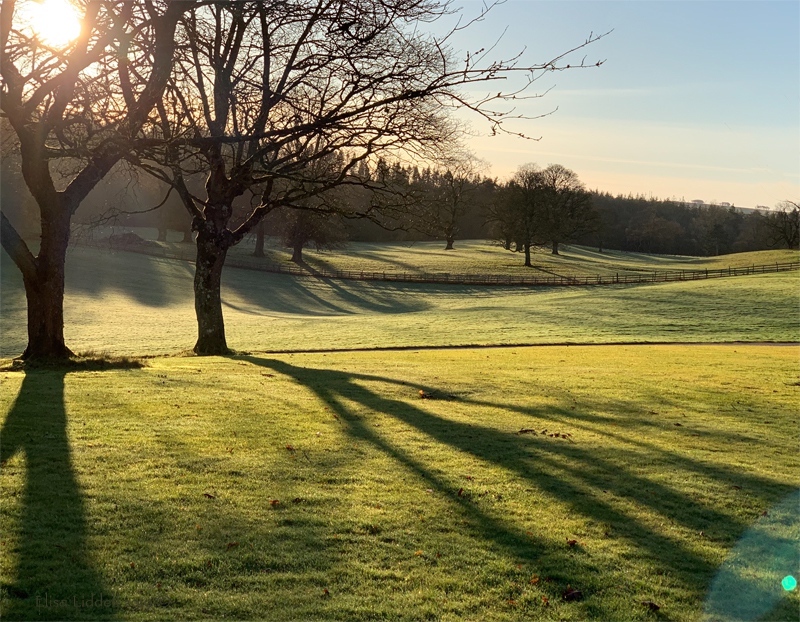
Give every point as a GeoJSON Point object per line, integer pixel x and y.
{"type": "Point", "coordinates": [555, 482]}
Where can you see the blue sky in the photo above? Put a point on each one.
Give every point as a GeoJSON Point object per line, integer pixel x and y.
{"type": "Point", "coordinates": [695, 100]}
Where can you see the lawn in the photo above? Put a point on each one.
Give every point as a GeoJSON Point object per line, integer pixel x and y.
{"type": "Point", "coordinates": [472, 257]}
{"type": "Point", "coordinates": [324, 486]}
{"type": "Point", "coordinates": [560, 482]}
{"type": "Point", "coordinates": [132, 304]}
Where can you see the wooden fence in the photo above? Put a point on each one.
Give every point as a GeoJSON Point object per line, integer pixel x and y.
{"type": "Point", "coordinates": [654, 276]}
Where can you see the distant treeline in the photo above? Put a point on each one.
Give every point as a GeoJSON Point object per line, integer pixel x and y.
{"type": "Point", "coordinates": [448, 204]}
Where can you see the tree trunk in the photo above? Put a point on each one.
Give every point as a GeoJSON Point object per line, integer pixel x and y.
{"type": "Point", "coordinates": [555, 247]}
{"type": "Point", "coordinates": [259, 252]}
{"type": "Point", "coordinates": [449, 246]}
{"type": "Point", "coordinates": [45, 296]}
{"type": "Point", "coordinates": [297, 253]}
{"type": "Point", "coordinates": [507, 244]}
{"type": "Point", "coordinates": [187, 233]}
{"type": "Point", "coordinates": [528, 255]}
{"type": "Point", "coordinates": [43, 277]}
{"type": "Point", "coordinates": [207, 297]}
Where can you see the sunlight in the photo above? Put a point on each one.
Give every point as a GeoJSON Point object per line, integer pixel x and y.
{"type": "Point", "coordinates": [53, 22]}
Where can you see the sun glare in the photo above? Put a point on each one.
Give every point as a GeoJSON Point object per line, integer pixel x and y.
{"type": "Point", "coordinates": [53, 22]}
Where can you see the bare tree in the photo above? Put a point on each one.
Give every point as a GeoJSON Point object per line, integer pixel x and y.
{"type": "Point", "coordinates": [524, 209]}
{"type": "Point", "coordinates": [567, 206]}
{"type": "Point", "coordinates": [74, 111]}
{"type": "Point", "coordinates": [262, 90]}
{"type": "Point", "coordinates": [783, 224]}
{"type": "Point", "coordinates": [448, 193]}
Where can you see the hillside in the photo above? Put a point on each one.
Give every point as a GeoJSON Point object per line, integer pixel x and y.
{"type": "Point", "coordinates": [128, 303]}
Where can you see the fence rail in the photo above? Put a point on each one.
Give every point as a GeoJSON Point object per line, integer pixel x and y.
{"type": "Point", "coordinates": [654, 276]}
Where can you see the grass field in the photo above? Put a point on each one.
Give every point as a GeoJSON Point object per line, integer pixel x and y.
{"type": "Point", "coordinates": [133, 304]}
{"type": "Point", "coordinates": [321, 486]}
{"type": "Point", "coordinates": [628, 482]}
{"type": "Point", "coordinates": [476, 257]}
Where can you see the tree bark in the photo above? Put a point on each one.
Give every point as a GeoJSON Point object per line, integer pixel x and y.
{"type": "Point", "coordinates": [259, 251]}
{"type": "Point", "coordinates": [43, 277]}
{"type": "Point", "coordinates": [555, 247]}
{"type": "Point", "coordinates": [207, 297]}
{"type": "Point", "coordinates": [449, 246]}
{"type": "Point", "coordinates": [297, 253]}
{"type": "Point", "coordinates": [528, 255]}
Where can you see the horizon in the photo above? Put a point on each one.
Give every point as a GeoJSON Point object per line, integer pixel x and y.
{"type": "Point", "coordinates": [679, 110]}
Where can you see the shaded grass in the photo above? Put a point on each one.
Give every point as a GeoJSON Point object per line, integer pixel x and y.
{"type": "Point", "coordinates": [477, 257]}
{"type": "Point", "coordinates": [322, 487]}
{"type": "Point", "coordinates": [132, 304]}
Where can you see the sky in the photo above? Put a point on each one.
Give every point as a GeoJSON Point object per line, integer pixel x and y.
{"type": "Point", "coordinates": [695, 100]}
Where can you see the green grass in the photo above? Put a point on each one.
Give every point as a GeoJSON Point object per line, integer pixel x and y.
{"type": "Point", "coordinates": [131, 304]}
{"type": "Point", "coordinates": [154, 488]}
{"type": "Point", "coordinates": [479, 257]}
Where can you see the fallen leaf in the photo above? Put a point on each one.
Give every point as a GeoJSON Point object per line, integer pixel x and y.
{"type": "Point", "coordinates": [545, 600]}
{"type": "Point", "coordinates": [274, 502]}
{"type": "Point", "coordinates": [208, 495]}
{"type": "Point", "coordinates": [512, 602]}
{"type": "Point", "coordinates": [418, 553]}
{"type": "Point", "coordinates": [290, 448]}
{"type": "Point", "coordinates": [438, 555]}
{"type": "Point", "coordinates": [297, 500]}
{"type": "Point", "coordinates": [534, 580]}
{"type": "Point", "coordinates": [571, 542]}
{"type": "Point", "coordinates": [460, 492]}
{"type": "Point", "coordinates": [651, 605]}
{"type": "Point", "coordinates": [231, 545]}
{"type": "Point", "coordinates": [764, 513]}
{"type": "Point", "coordinates": [133, 565]}
{"type": "Point", "coordinates": [737, 487]}
{"type": "Point", "coordinates": [678, 424]}
{"type": "Point", "coordinates": [158, 586]}
{"type": "Point", "coordinates": [326, 592]}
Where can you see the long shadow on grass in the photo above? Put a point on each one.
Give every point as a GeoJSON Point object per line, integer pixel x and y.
{"type": "Point", "coordinates": [53, 577]}
{"type": "Point", "coordinates": [579, 477]}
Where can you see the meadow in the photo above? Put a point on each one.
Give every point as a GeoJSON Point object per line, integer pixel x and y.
{"type": "Point", "coordinates": [131, 304]}
{"type": "Point", "coordinates": [291, 481]}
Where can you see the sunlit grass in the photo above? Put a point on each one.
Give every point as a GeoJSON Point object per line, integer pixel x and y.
{"type": "Point", "coordinates": [131, 304]}
{"type": "Point", "coordinates": [322, 486]}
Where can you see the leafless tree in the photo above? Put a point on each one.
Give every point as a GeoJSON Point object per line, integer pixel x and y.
{"type": "Point", "coordinates": [75, 111]}
{"type": "Point", "coordinates": [567, 210]}
{"type": "Point", "coordinates": [783, 224]}
{"type": "Point", "coordinates": [262, 90]}
{"type": "Point", "coordinates": [448, 193]}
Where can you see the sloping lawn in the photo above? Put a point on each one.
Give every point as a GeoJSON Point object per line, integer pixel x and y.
{"type": "Point", "coordinates": [131, 304]}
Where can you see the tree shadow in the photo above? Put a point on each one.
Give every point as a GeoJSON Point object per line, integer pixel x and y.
{"type": "Point", "coordinates": [585, 479]}
{"type": "Point", "coordinates": [53, 577]}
